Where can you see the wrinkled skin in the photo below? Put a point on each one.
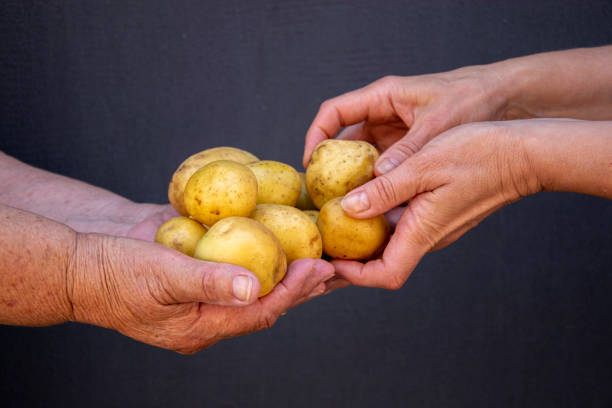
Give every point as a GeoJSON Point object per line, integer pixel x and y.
{"type": "Point", "coordinates": [93, 261]}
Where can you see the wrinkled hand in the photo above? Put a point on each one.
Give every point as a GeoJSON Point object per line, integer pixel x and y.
{"type": "Point", "coordinates": [164, 298]}
{"type": "Point", "coordinates": [401, 114]}
{"type": "Point", "coordinates": [156, 215]}
{"type": "Point", "coordinates": [120, 217]}
{"type": "Point", "coordinates": [453, 182]}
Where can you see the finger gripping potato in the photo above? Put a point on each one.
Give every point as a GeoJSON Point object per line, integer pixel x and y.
{"type": "Point", "coordinates": [245, 242]}
{"type": "Point", "coordinates": [194, 162]}
{"type": "Point", "coordinates": [180, 233]}
{"type": "Point", "coordinates": [298, 235]}
{"type": "Point", "coordinates": [219, 190]}
{"type": "Point", "coordinates": [337, 167]}
{"type": "Point", "coordinates": [349, 238]}
{"type": "Point", "coordinates": [278, 183]}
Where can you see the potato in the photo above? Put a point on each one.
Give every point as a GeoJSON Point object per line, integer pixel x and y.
{"type": "Point", "coordinates": [304, 201]}
{"type": "Point", "coordinates": [313, 214]}
{"type": "Point", "coordinates": [278, 183]}
{"type": "Point", "coordinates": [298, 235]}
{"type": "Point", "coordinates": [348, 238]}
{"type": "Point", "coordinates": [337, 167]}
{"type": "Point", "coordinates": [245, 242]}
{"type": "Point", "coordinates": [221, 189]}
{"type": "Point", "coordinates": [192, 163]}
{"type": "Point", "coordinates": [180, 233]}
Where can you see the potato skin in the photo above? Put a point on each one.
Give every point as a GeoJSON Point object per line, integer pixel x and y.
{"type": "Point", "coordinates": [298, 235]}
{"type": "Point", "coordinates": [278, 183]}
{"type": "Point", "coordinates": [348, 238]}
{"type": "Point", "coordinates": [194, 162]}
{"type": "Point", "coordinates": [312, 214]}
{"type": "Point", "coordinates": [219, 190]}
{"type": "Point", "coordinates": [245, 242]}
{"type": "Point", "coordinates": [180, 233]}
{"type": "Point", "coordinates": [337, 167]}
{"type": "Point", "coordinates": [304, 201]}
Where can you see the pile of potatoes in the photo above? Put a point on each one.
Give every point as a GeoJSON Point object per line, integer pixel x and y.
{"type": "Point", "coordinates": [263, 215]}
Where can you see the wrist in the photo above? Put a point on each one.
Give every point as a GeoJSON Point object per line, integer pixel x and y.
{"type": "Point", "coordinates": [517, 175]}
{"type": "Point", "coordinates": [571, 155]}
{"type": "Point", "coordinates": [87, 282]}
{"type": "Point", "coordinates": [511, 85]}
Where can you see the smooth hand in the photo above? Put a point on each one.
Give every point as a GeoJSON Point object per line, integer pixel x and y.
{"type": "Point", "coordinates": [467, 173]}
{"type": "Point", "coordinates": [454, 182]}
{"type": "Point", "coordinates": [401, 114]}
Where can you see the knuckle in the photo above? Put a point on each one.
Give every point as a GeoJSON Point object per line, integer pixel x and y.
{"type": "Point", "coordinates": [385, 190]}
{"type": "Point", "coordinates": [387, 80]}
{"type": "Point", "coordinates": [209, 286]}
{"type": "Point", "coordinates": [408, 147]}
{"type": "Point", "coordinates": [394, 282]}
{"type": "Point", "coordinates": [427, 232]}
{"type": "Point", "coordinates": [326, 105]}
{"type": "Point", "coordinates": [191, 344]}
{"type": "Point", "coordinates": [433, 122]}
{"type": "Point", "coordinates": [267, 320]}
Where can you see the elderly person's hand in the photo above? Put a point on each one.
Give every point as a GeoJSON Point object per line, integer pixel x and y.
{"type": "Point", "coordinates": [164, 298]}
{"type": "Point", "coordinates": [467, 173]}
{"type": "Point", "coordinates": [68, 253]}
{"type": "Point", "coordinates": [50, 274]}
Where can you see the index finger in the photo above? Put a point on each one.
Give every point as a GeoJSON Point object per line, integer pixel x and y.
{"type": "Point", "coordinates": [370, 103]}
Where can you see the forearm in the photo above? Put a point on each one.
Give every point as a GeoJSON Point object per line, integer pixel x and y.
{"type": "Point", "coordinates": [81, 206]}
{"type": "Point", "coordinates": [35, 253]}
{"type": "Point", "coordinates": [572, 155]}
{"type": "Point", "coordinates": [574, 83]}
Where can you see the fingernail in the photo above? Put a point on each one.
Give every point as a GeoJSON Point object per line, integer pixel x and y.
{"type": "Point", "coordinates": [356, 202]}
{"type": "Point", "coordinates": [387, 165]}
{"type": "Point", "coordinates": [242, 287]}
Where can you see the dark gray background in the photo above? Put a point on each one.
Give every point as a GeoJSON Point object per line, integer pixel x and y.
{"type": "Point", "coordinates": [118, 93]}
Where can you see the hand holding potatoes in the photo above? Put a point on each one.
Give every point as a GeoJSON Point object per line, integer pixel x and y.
{"type": "Point", "coordinates": [164, 298]}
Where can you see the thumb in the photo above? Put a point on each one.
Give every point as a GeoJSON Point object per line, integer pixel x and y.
{"type": "Point", "coordinates": [384, 192]}
{"type": "Point", "coordinates": [214, 283]}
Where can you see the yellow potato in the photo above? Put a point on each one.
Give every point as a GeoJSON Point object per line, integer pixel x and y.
{"type": "Point", "coordinates": [348, 238]}
{"type": "Point", "coordinates": [180, 233]}
{"type": "Point", "coordinates": [298, 235]}
{"type": "Point", "coordinates": [197, 161]}
{"type": "Point", "coordinates": [278, 183]}
{"type": "Point", "coordinates": [245, 242]}
{"type": "Point", "coordinates": [219, 190]}
{"type": "Point", "coordinates": [313, 214]}
{"type": "Point", "coordinates": [337, 167]}
{"type": "Point", "coordinates": [304, 202]}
